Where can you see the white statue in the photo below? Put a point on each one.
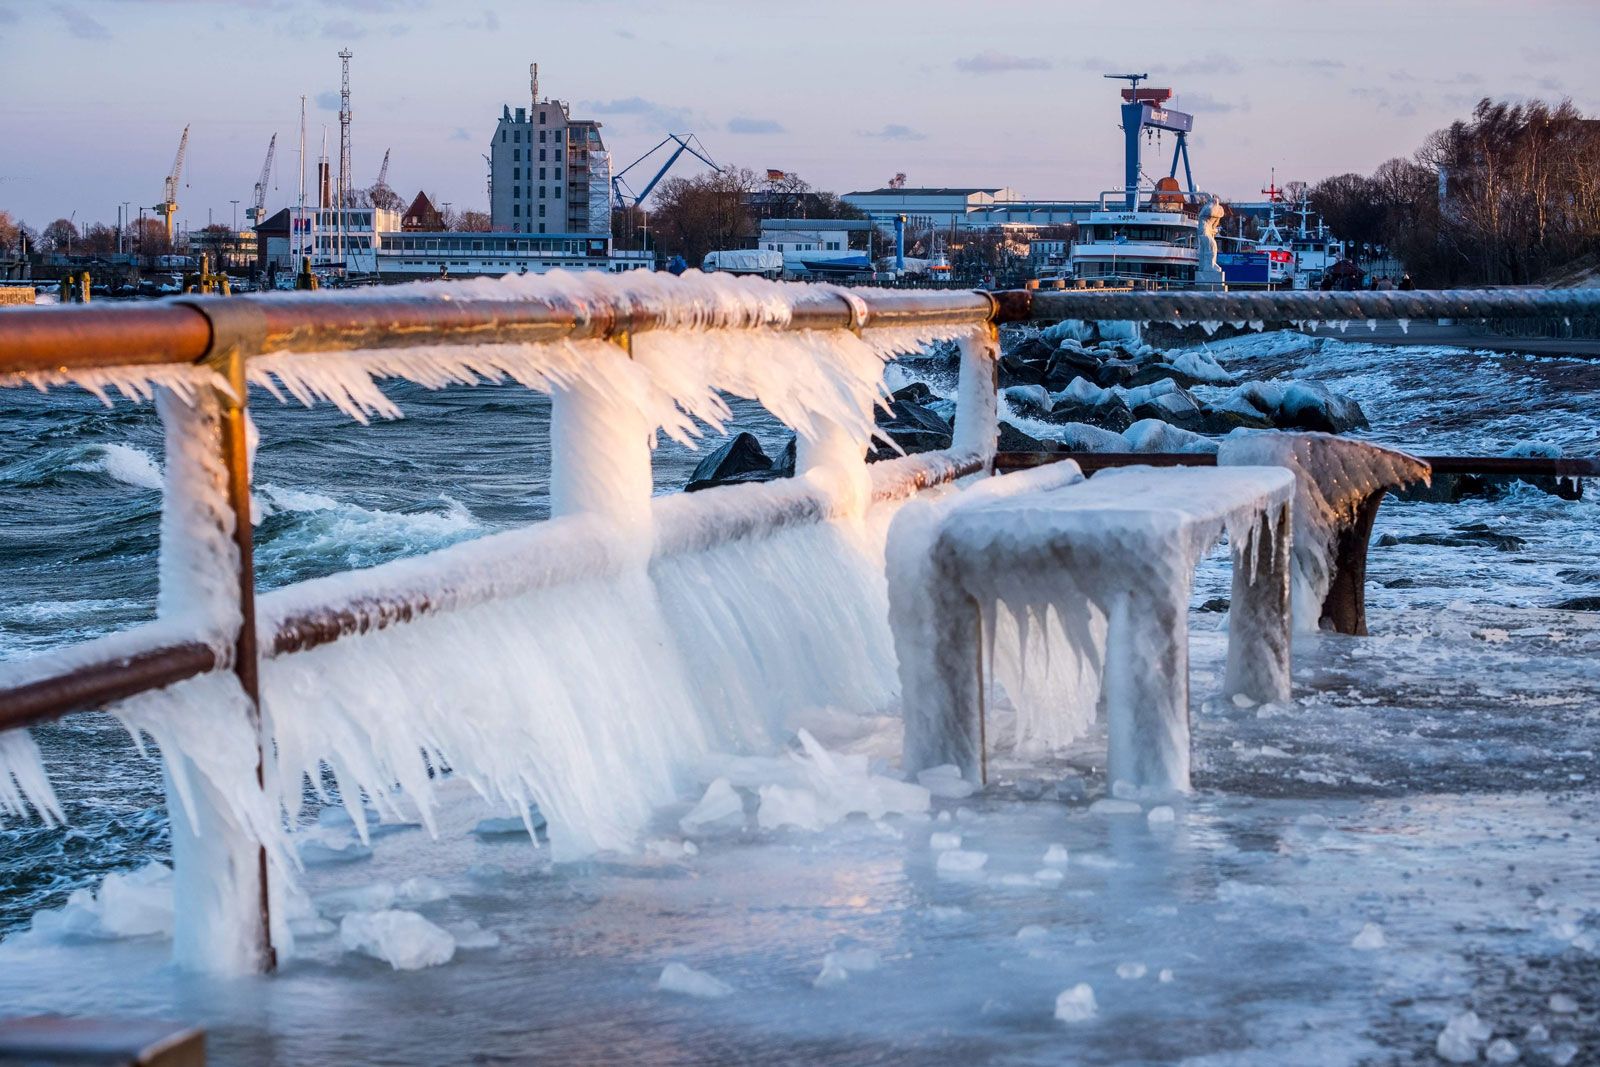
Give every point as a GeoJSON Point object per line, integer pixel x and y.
{"type": "Point", "coordinates": [1210, 221]}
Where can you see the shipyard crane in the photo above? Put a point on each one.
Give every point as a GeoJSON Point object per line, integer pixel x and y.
{"type": "Point", "coordinates": [257, 210]}
{"type": "Point", "coordinates": [169, 192]}
{"type": "Point", "coordinates": [380, 195]}
{"type": "Point", "coordinates": [624, 197]}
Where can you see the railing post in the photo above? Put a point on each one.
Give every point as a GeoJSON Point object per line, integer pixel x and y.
{"type": "Point", "coordinates": [224, 922]}
{"type": "Point", "coordinates": [977, 426]}
{"type": "Point", "coordinates": [600, 454]}
{"type": "Point", "coordinates": [836, 460]}
{"type": "Point", "coordinates": [1344, 609]}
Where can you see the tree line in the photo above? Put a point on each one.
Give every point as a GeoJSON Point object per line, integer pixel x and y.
{"type": "Point", "coordinates": [1509, 196]}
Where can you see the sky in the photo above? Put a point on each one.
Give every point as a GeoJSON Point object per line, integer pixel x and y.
{"type": "Point", "coordinates": [95, 93]}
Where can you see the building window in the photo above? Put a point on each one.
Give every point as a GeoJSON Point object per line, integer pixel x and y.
{"type": "Point", "coordinates": [558, 174]}
{"type": "Point", "coordinates": [516, 173]}
{"type": "Point", "coordinates": [516, 192]}
{"type": "Point", "coordinates": [541, 192]}
{"type": "Point", "coordinates": [502, 137]}
{"type": "Point", "coordinates": [541, 173]}
{"type": "Point", "coordinates": [541, 211]}
{"type": "Point", "coordinates": [541, 136]}
{"type": "Point", "coordinates": [541, 227]}
{"type": "Point", "coordinates": [558, 192]}
{"type": "Point", "coordinates": [542, 151]}
{"type": "Point", "coordinates": [558, 155]}
{"type": "Point", "coordinates": [516, 211]}
{"type": "Point", "coordinates": [516, 154]}
{"type": "Point", "coordinates": [541, 118]}
{"type": "Point", "coordinates": [517, 136]}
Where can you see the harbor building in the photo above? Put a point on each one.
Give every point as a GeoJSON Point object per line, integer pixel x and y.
{"type": "Point", "coordinates": [548, 172]}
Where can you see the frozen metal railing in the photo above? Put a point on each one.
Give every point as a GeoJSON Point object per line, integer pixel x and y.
{"type": "Point", "coordinates": [220, 335]}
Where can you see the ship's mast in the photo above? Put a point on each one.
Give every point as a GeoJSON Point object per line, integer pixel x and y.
{"type": "Point", "coordinates": [344, 155]}
{"type": "Point", "coordinates": [297, 237]}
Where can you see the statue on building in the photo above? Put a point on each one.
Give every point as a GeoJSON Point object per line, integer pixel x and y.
{"type": "Point", "coordinates": [1206, 271]}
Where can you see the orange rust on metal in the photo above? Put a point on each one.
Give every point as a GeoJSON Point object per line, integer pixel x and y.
{"type": "Point", "coordinates": [1012, 305]}
{"type": "Point", "coordinates": [99, 684]}
{"type": "Point", "coordinates": [34, 339]}
{"type": "Point", "coordinates": [324, 626]}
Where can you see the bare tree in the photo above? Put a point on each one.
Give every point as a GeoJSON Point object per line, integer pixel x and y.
{"type": "Point", "coordinates": [59, 236]}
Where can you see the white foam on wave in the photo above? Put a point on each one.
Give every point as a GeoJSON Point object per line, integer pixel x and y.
{"type": "Point", "coordinates": [124, 463]}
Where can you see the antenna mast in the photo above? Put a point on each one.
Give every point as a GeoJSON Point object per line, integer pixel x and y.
{"type": "Point", "coordinates": [344, 153]}
{"type": "Point", "coordinates": [533, 83]}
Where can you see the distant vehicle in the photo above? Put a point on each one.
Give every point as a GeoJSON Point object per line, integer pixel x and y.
{"type": "Point", "coordinates": [744, 261]}
{"type": "Point", "coordinates": [175, 263]}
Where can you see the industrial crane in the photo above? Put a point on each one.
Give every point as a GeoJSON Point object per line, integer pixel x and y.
{"type": "Point", "coordinates": [169, 193]}
{"type": "Point", "coordinates": [626, 198]}
{"type": "Point", "coordinates": [258, 209]}
{"type": "Point", "coordinates": [380, 195]}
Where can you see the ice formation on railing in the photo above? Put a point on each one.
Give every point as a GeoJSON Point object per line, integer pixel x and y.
{"type": "Point", "coordinates": [1333, 477]}
{"type": "Point", "coordinates": [23, 781]}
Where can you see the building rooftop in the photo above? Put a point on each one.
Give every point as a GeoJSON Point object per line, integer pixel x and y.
{"type": "Point", "coordinates": [851, 225]}
{"type": "Point", "coordinates": [929, 190]}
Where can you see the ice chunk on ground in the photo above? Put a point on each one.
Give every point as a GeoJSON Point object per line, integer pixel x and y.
{"type": "Point", "coordinates": [942, 842]}
{"type": "Point", "coordinates": [1370, 938]}
{"type": "Point", "coordinates": [1562, 1053]}
{"type": "Point", "coordinates": [1048, 876]}
{"type": "Point", "coordinates": [1131, 971]}
{"type": "Point", "coordinates": [958, 862]}
{"type": "Point", "coordinates": [679, 978]}
{"type": "Point", "coordinates": [945, 781]}
{"type": "Point", "coordinates": [788, 807]}
{"type": "Point", "coordinates": [1032, 932]}
{"type": "Point", "coordinates": [1056, 855]}
{"type": "Point", "coordinates": [469, 935]}
{"type": "Point", "coordinates": [720, 807]}
{"type": "Point", "coordinates": [420, 890]}
{"type": "Point", "coordinates": [1110, 806]}
{"type": "Point", "coordinates": [1165, 975]}
{"type": "Point", "coordinates": [136, 904]}
{"type": "Point", "coordinates": [1459, 1040]}
{"type": "Point", "coordinates": [1161, 814]}
{"type": "Point", "coordinates": [402, 939]}
{"type": "Point", "coordinates": [1077, 1004]}
{"type": "Point", "coordinates": [837, 967]}
{"type": "Point", "coordinates": [1501, 1051]}
{"type": "Point", "coordinates": [1562, 1004]}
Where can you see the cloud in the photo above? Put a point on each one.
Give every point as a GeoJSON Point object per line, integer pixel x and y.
{"type": "Point", "coordinates": [342, 30]}
{"type": "Point", "coordinates": [648, 112]}
{"type": "Point", "coordinates": [83, 26]}
{"type": "Point", "coordinates": [1212, 63]}
{"type": "Point", "coordinates": [992, 62]}
{"type": "Point", "coordinates": [461, 134]}
{"type": "Point", "coordinates": [1398, 104]}
{"type": "Point", "coordinates": [893, 132]}
{"type": "Point", "coordinates": [328, 101]}
{"type": "Point", "coordinates": [489, 22]}
{"type": "Point", "coordinates": [1207, 104]}
{"type": "Point", "coordinates": [1324, 67]}
{"type": "Point", "coordinates": [748, 125]}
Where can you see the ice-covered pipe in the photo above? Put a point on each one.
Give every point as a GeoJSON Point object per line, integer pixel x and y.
{"type": "Point", "coordinates": [600, 454]}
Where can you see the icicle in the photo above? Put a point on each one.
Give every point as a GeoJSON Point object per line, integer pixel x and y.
{"type": "Point", "coordinates": [23, 781]}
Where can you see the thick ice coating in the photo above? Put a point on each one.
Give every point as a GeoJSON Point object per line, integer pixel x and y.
{"type": "Point", "coordinates": [1334, 477]}
{"type": "Point", "coordinates": [1120, 548]}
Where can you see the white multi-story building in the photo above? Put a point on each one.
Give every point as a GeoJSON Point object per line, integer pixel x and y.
{"type": "Point", "coordinates": [548, 172]}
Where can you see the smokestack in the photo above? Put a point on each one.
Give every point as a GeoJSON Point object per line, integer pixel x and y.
{"type": "Point", "coordinates": [533, 82]}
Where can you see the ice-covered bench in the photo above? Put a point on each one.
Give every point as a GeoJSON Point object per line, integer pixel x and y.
{"type": "Point", "coordinates": [1123, 546]}
{"type": "Point", "coordinates": [1339, 485]}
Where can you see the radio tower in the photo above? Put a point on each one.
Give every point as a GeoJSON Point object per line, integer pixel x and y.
{"type": "Point", "coordinates": [344, 155]}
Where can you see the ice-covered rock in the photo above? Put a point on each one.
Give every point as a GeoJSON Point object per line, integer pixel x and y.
{"type": "Point", "coordinates": [1077, 1004]}
{"type": "Point", "coordinates": [720, 807]}
{"type": "Point", "coordinates": [1131, 971]}
{"type": "Point", "coordinates": [1161, 815]}
{"type": "Point", "coordinates": [470, 936]}
{"type": "Point", "coordinates": [943, 842]}
{"type": "Point", "coordinates": [838, 966]}
{"type": "Point", "coordinates": [420, 890]}
{"type": "Point", "coordinates": [681, 978]}
{"type": "Point", "coordinates": [138, 903]}
{"type": "Point", "coordinates": [1055, 855]}
{"type": "Point", "coordinates": [1562, 1004]}
{"type": "Point", "coordinates": [402, 939]}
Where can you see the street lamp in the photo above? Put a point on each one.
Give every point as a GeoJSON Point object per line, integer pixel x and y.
{"type": "Point", "coordinates": [235, 204]}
